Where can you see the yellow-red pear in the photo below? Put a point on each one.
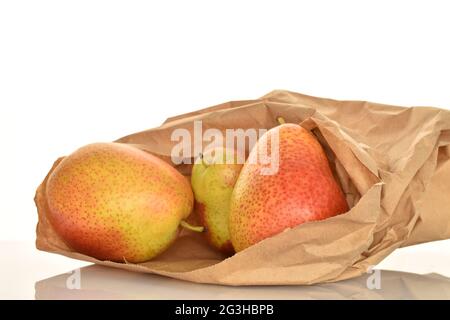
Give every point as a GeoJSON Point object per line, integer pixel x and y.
{"type": "Point", "coordinates": [115, 202]}
{"type": "Point", "coordinates": [303, 188]}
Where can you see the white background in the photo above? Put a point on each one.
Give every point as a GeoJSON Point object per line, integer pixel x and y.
{"type": "Point", "coordinates": [75, 72]}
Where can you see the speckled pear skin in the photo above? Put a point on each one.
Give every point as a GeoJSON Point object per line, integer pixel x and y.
{"type": "Point", "coordinates": [302, 190]}
{"type": "Point", "coordinates": [115, 202]}
{"type": "Point", "coordinates": [212, 181]}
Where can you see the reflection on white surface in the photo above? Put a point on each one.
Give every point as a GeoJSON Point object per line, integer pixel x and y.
{"type": "Point", "coordinates": [98, 282]}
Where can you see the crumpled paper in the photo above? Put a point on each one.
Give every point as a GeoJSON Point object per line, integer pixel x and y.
{"type": "Point", "coordinates": [392, 163]}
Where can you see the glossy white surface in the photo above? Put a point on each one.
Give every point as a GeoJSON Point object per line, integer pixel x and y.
{"type": "Point", "coordinates": [417, 272]}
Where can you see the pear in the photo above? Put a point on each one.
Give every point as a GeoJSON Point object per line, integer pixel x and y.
{"type": "Point", "coordinates": [303, 188]}
{"type": "Point", "coordinates": [213, 177]}
{"type": "Point", "coordinates": [112, 201]}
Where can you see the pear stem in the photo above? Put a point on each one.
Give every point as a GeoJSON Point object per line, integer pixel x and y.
{"type": "Point", "coordinates": [281, 120]}
{"type": "Point", "coordinates": [188, 226]}
{"type": "Point", "coordinates": [201, 156]}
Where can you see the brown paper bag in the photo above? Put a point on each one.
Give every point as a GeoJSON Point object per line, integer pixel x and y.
{"type": "Point", "coordinates": [392, 163]}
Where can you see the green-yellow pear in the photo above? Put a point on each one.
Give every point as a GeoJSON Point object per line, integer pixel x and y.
{"type": "Point", "coordinates": [115, 202]}
{"type": "Point", "coordinates": [213, 177]}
